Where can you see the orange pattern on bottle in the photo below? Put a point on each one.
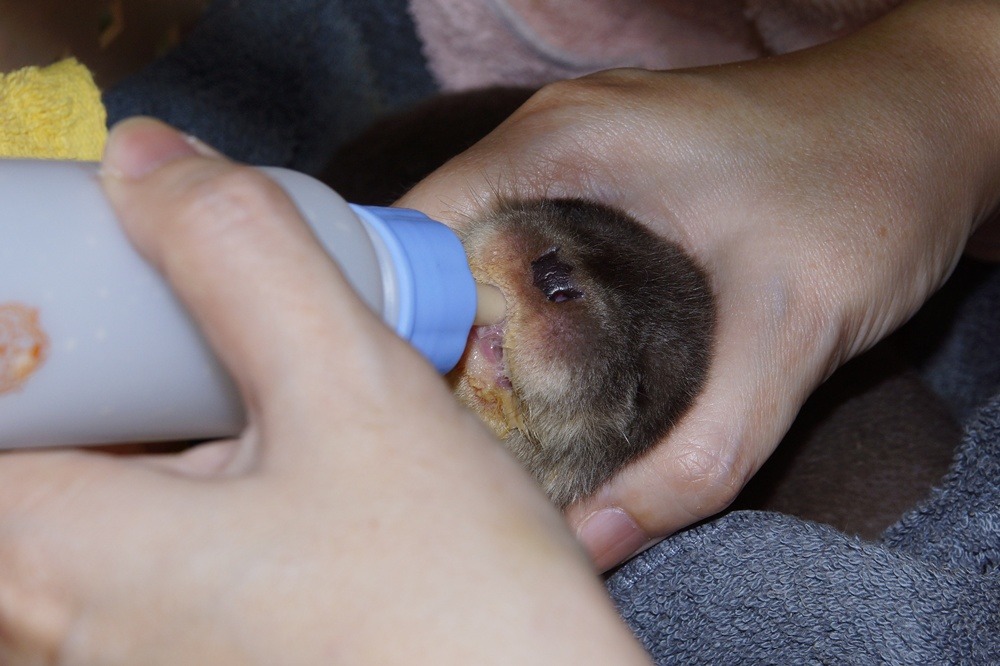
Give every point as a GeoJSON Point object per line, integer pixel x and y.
{"type": "Point", "coordinates": [23, 345]}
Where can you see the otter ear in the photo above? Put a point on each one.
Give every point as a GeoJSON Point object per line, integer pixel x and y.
{"type": "Point", "coordinates": [552, 277]}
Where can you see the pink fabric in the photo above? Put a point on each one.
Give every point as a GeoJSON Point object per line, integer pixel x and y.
{"type": "Point", "coordinates": [789, 25]}
{"type": "Point", "coordinates": [477, 43]}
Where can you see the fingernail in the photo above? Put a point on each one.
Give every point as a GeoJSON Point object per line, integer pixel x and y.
{"type": "Point", "coordinates": [610, 536]}
{"type": "Point", "coordinates": [139, 146]}
{"type": "Point", "coordinates": [201, 147]}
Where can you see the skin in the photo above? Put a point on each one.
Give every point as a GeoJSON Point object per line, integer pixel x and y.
{"type": "Point", "coordinates": [361, 496]}
{"type": "Point", "coordinates": [827, 193]}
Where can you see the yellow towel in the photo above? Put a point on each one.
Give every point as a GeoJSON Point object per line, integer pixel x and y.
{"type": "Point", "coordinates": [52, 112]}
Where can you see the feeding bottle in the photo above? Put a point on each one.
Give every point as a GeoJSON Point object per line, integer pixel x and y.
{"type": "Point", "coordinates": [95, 348]}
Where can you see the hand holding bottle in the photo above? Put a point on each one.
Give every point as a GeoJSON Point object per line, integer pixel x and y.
{"type": "Point", "coordinates": [359, 497]}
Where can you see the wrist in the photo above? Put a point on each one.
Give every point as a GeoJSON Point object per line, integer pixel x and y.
{"type": "Point", "coordinates": [958, 42]}
{"type": "Point", "coordinates": [928, 77]}
{"type": "Point", "coordinates": [973, 28]}
{"type": "Point", "coordinates": [875, 157]}
{"type": "Point", "coordinates": [910, 104]}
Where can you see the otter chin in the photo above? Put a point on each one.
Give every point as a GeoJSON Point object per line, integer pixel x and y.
{"type": "Point", "coordinates": [605, 342]}
{"type": "Point", "coordinates": [482, 380]}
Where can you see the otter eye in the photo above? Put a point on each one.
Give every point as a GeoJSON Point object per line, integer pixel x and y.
{"type": "Point", "coordinates": [552, 277]}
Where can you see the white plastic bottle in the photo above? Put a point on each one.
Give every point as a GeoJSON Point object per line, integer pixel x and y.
{"type": "Point", "coordinates": [95, 348]}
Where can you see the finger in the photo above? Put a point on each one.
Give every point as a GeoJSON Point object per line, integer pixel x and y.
{"type": "Point", "coordinates": [237, 252]}
{"type": "Point", "coordinates": [467, 185]}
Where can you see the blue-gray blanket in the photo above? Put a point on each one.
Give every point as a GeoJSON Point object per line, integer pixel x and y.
{"type": "Point", "coordinates": [287, 82]}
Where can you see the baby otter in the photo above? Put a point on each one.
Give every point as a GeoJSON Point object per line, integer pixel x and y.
{"type": "Point", "coordinates": [605, 343]}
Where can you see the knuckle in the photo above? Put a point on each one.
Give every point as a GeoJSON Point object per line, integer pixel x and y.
{"type": "Point", "coordinates": [213, 212]}
{"type": "Point", "coordinates": [555, 95]}
{"type": "Point", "coordinates": [595, 90]}
{"type": "Point", "coordinates": [229, 197]}
{"type": "Point", "coordinates": [574, 134]}
{"type": "Point", "coordinates": [709, 477]}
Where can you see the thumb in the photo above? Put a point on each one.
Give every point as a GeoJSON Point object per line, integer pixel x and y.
{"type": "Point", "coordinates": [240, 257]}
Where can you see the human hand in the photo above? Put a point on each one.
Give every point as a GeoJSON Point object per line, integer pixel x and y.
{"type": "Point", "coordinates": [363, 516]}
{"type": "Point", "coordinates": [828, 193]}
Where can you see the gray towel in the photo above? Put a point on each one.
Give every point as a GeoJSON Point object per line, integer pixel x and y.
{"type": "Point", "coordinates": [764, 588]}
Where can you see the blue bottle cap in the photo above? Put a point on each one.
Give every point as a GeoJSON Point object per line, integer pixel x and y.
{"type": "Point", "coordinates": [436, 292]}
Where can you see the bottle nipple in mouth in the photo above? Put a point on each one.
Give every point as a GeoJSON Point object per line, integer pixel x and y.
{"type": "Point", "coordinates": [491, 307]}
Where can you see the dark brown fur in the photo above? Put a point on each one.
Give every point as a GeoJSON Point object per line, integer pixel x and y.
{"type": "Point", "coordinates": [606, 341]}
